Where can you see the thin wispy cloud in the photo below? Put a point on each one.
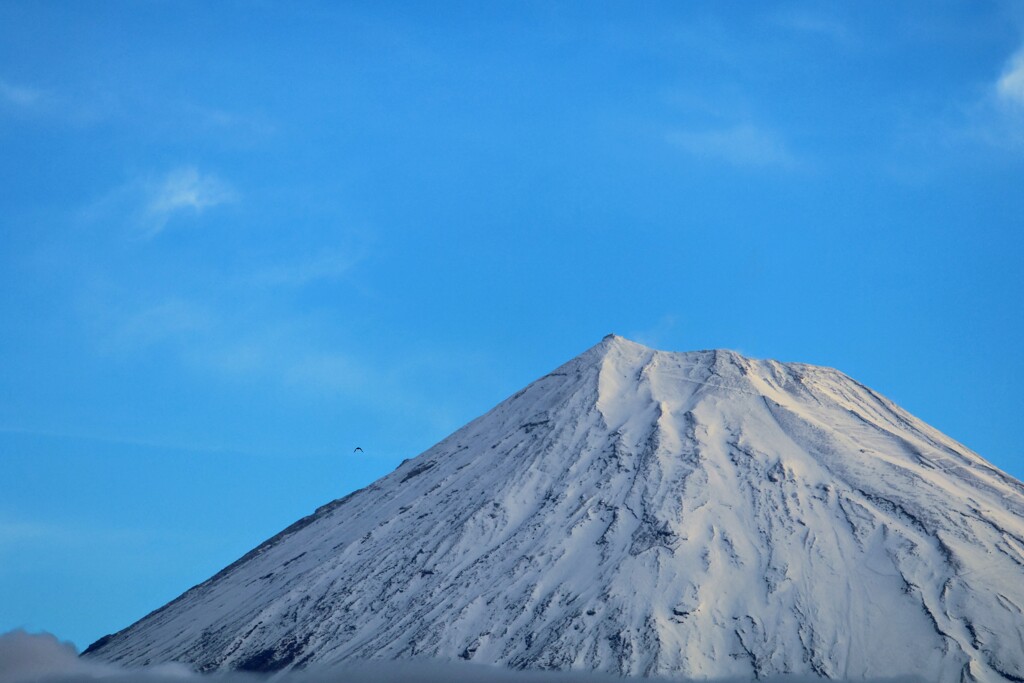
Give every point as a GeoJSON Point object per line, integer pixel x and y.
{"type": "Point", "coordinates": [19, 95]}
{"type": "Point", "coordinates": [223, 120]}
{"type": "Point", "coordinates": [659, 334]}
{"type": "Point", "coordinates": [182, 191]}
{"type": "Point", "coordinates": [813, 24]}
{"type": "Point", "coordinates": [282, 357]}
{"type": "Point", "coordinates": [743, 145]}
{"type": "Point", "coordinates": [327, 264]}
{"type": "Point", "coordinates": [70, 533]}
{"type": "Point", "coordinates": [73, 106]}
{"type": "Point", "coordinates": [332, 372]}
{"type": "Point", "coordinates": [1010, 86]}
{"type": "Point", "coordinates": [14, 531]}
{"type": "Point", "coordinates": [209, 337]}
{"type": "Point", "coordinates": [145, 206]}
{"type": "Point", "coordinates": [172, 319]}
{"type": "Point", "coordinates": [248, 345]}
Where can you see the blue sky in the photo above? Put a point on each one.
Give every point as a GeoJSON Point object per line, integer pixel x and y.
{"type": "Point", "coordinates": [239, 239]}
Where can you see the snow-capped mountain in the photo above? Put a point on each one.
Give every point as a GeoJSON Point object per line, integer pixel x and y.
{"type": "Point", "coordinates": [642, 512]}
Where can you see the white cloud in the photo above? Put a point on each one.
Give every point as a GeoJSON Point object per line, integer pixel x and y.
{"type": "Point", "coordinates": [995, 120]}
{"type": "Point", "coordinates": [182, 190]}
{"type": "Point", "coordinates": [743, 145]}
{"type": "Point", "coordinates": [1010, 86]}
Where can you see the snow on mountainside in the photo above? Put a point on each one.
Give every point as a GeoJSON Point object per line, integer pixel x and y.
{"type": "Point", "coordinates": [642, 512]}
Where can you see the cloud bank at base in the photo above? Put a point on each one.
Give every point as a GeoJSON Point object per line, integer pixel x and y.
{"type": "Point", "coordinates": [42, 658]}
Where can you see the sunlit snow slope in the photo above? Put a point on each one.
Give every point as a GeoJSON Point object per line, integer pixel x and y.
{"type": "Point", "coordinates": [643, 512]}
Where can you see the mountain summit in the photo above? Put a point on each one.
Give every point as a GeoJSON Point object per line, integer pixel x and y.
{"type": "Point", "coordinates": [642, 512]}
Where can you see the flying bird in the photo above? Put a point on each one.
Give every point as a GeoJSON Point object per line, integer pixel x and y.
{"type": "Point", "coordinates": [358, 450]}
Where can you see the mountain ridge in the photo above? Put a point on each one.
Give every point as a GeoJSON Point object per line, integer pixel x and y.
{"type": "Point", "coordinates": [642, 512]}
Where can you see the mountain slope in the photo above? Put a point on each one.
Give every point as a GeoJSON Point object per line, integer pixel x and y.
{"type": "Point", "coordinates": [643, 512]}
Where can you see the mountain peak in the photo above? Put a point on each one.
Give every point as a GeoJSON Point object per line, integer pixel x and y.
{"type": "Point", "coordinates": [616, 341]}
{"type": "Point", "coordinates": [612, 337]}
{"type": "Point", "coordinates": [610, 341]}
{"type": "Point", "coordinates": [636, 511]}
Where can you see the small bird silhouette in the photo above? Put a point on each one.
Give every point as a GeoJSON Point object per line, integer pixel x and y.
{"type": "Point", "coordinates": [358, 450]}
